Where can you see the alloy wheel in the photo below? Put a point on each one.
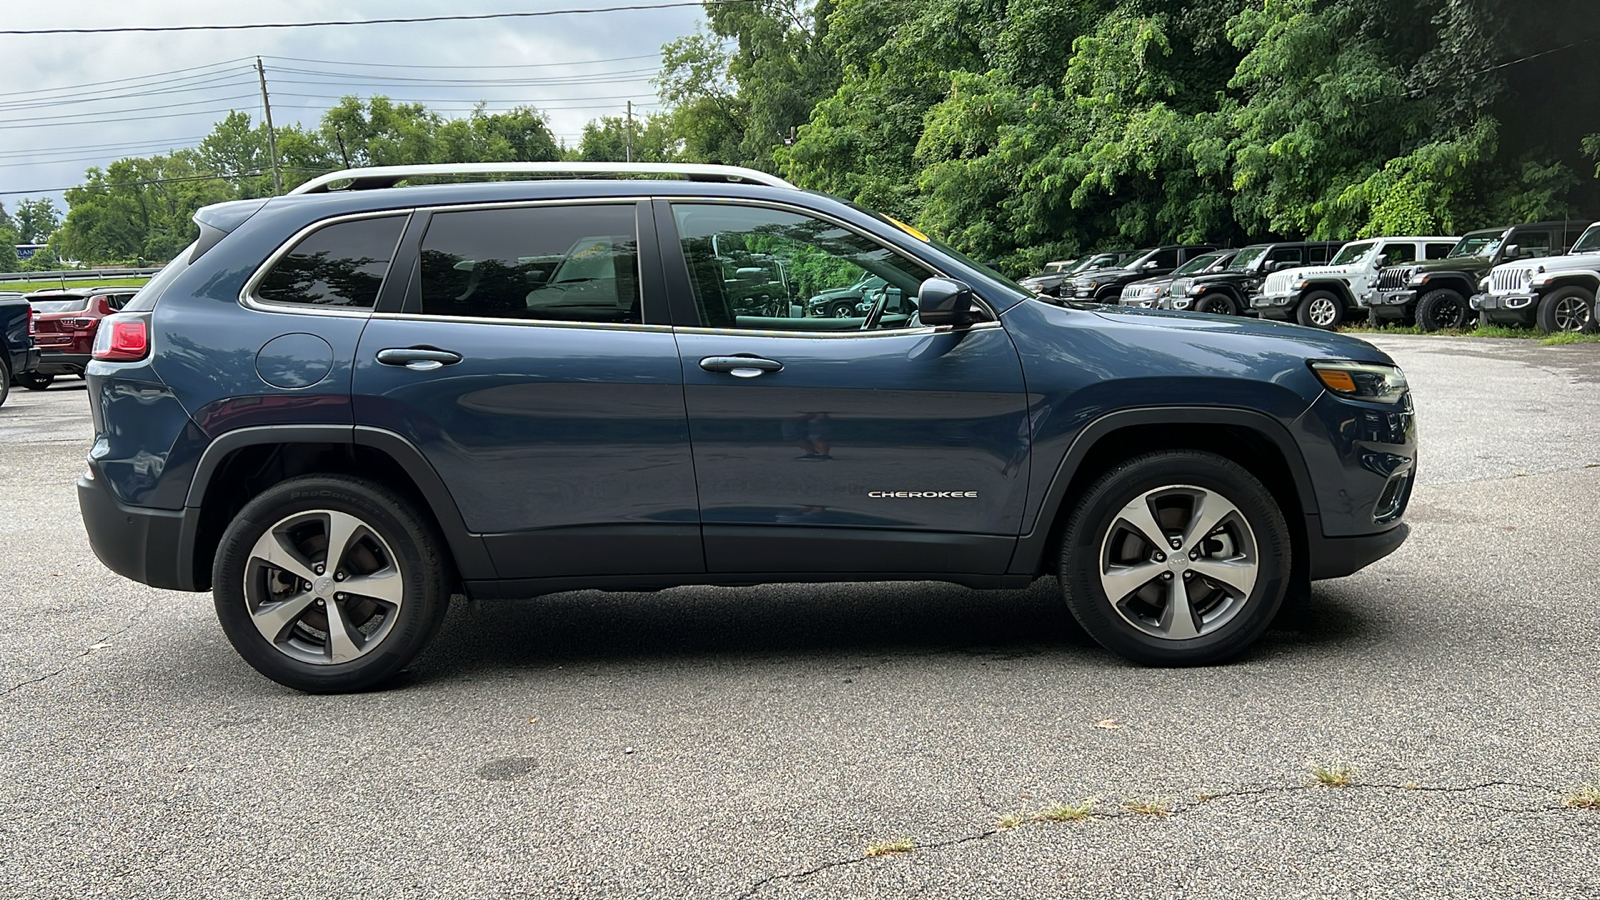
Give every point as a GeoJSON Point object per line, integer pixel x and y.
{"type": "Point", "coordinates": [323, 587]}
{"type": "Point", "coordinates": [1179, 562]}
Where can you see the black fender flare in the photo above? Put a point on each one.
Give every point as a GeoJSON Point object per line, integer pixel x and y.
{"type": "Point", "coordinates": [471, 557]}
{"type": "Point", "coordinates": [1032, 546]}
{"type": "Point", "coordinates": [1332, 285]}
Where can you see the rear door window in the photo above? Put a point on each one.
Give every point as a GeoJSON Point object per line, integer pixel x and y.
{"type": "Point", "coordinates": [1439, 251]}
{"type": "Point", "coordinates": [1395, 254]}
{"type": "Point", "coordinates": [556, 263]}
{"type": "Point", "coordinates": [340, 266]}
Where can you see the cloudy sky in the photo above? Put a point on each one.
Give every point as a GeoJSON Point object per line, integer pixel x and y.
{"type": "Point", "coordinates": [68, 102]}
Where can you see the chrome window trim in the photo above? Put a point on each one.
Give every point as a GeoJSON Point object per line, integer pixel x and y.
{"type": "Point", "coordinates": [535, 323]}
{"type": "Point", "coordinates": [994, 317]}
{"type": "Point", "coordinates": [856, 333]}
{"type": "Point", "coordinates": [247, 294]}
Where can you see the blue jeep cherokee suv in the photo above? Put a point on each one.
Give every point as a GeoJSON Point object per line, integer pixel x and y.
{"type": "Point", "coordinates": [338, 408]}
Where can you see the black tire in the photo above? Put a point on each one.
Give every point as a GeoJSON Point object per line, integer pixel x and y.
{"type": "Point", "coordinates": [5, 378]}
{"type": "Point", "coordinates": [1568, 309]}
{"type": "Point", "coordinates": [1441, 310]}
{"type": "Point", "coordinates": [1100, 544]}
{"type": "Point", "coordinates": [1217, 303]}
{"type": "Point", "coordinates": [33, 381]}
{"type": "Point", "coordinates": [842, 311]}
{"type": "Point", "coordinates": [391, 540]}
{"type": "Point", "coordinates": [1321, 309]}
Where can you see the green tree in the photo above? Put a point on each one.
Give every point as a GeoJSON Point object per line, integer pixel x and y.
{"type": "Point", "coordinates": [35, 220]}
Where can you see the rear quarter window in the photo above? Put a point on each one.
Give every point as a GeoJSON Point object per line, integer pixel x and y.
{"type": "Point", "coordinates": [341, 265]}
{"type": "Point", "coordinates": [1439, 251]}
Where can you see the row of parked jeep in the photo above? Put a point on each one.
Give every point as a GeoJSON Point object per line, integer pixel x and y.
{"type": "Point", "coordinates": [47, 334]}
{"type": "Point", "coordinates": [1543, 274]}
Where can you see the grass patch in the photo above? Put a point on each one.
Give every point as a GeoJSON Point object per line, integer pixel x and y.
{"type": "Point", "coordinates": [1336, 775]}
{"type": "Point", "coordinates": [54, 284]}
{"type": "Point", "coordinates": [1569, 337]}
{"type": "Point", "coordinates": [890, 848]}
{"type": "Point", "coordinates": [1586, 796]}
{"type": "Point", "coordinates": [1495, 331]}
{"type": "Point", "coordinates": [1066, 812]}
{"type": "Point", "coordinates": [1158, 808]}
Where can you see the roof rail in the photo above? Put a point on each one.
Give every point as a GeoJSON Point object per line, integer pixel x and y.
{"type": "Point", "coordinates": [389, 176]}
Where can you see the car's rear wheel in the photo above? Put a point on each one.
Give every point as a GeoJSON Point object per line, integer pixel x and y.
{"type": "Point", "coordinates": [1321, 309]}
{"type": "Point", "coordinates": [5, 379]}
{"type": "Point", "coordinates": [1176, 558]}
{"type": "Point", "coordinates": [1219, 304]}
{"type": "Point", "coordinates": [329, 583]}
{"type": "Point", "coordinates": [1569, 309]}
{"type": "Point", "coordinates": [33, 381]}
{"type": "Point", "coordinates": [1441, 310]}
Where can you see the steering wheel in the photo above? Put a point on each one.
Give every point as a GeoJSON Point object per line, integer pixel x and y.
{"type": "Point", "coordinates": [875, 314]}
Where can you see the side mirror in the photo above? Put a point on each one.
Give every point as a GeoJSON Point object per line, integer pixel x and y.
{"type": "Point", "coordinates": [1513, 251]}
{"type": "Point", "coordinates": [1150, 264]}
{"type": "Point", "coordinates": [941, 301]}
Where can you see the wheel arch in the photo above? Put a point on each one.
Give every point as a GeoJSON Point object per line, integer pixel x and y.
{"type": "Point", "coordinates": [1333, 286]}
{"type": "Point", "coordinates": [1254, 440]}
{"type": "Point", "coordinates": [1587, 280]}
{"type": "Point", "coordinates": [240, 464]}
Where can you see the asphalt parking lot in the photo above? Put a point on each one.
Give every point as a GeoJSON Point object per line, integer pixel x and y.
{"type": "Point", "coordinates": [730, 743]}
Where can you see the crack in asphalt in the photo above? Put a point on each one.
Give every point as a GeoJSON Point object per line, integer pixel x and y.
{"type": "Point", "coordinates": [88, 650]}
{"type": "Point", "coordinates": [1208, 798]}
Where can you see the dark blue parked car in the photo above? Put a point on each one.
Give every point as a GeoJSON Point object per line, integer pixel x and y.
{"type": "Point", "coordinates": [336, 409]}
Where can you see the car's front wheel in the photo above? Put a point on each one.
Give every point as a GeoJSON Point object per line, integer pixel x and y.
{"type": "Point", "coordinates": [329, 583]}
{"type": "Point", "coordinates": [1176, 558]}
{"type": "Point", "coordinates": [1321, 309]}
{"type": "Point", "coordinates": [5, 379]}
{"type": "Point", "coordinates": [1441, 310]}
{"type": "Point", "coordinates": [1568, 309]}
{"type": "Point", "coordinates": [1218, 304]}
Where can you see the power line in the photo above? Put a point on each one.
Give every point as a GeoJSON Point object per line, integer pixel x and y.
{"type": "Point", "coordinates": [331, 62]}
{"type": "Point", "coordinates": [90, 84]}
{"type": "Point", "coordinates": [149, 181]}
{"type": "Point", "coordinates": [356, 77]}
{"type": "Point", "coordinates": [47, 103]}
{"type": "Point", "coordinates": [90, 118]}
{"type": "Point", "coordinates": [479, 17]}
{"type": "Point", "coordinates": [83, 148]}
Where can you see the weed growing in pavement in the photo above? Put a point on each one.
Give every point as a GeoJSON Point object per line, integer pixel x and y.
{"type": "Point", "coordinates": [1012, 820]}
{"type": "Point", "coordinates": [1336, 775]}
{"type": "Point", "coordinates": [1586, 796]}
{"type": "Point", "coordinates": [1066, 812]}
{"type": "Point", "coordinates": [1148, 807]}
{"type": "Point", "coordinates": [889, 848]}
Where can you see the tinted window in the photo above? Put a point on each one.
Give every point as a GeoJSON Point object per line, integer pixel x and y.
{"type": "Point", "coordinates": [1287, 254]}
{"type": "Point", "coordinates": [1438, 251]}
{"type": "Point", "coordinates": [1319, 253]}
{"type": "Point", "coordinates": [1166, 259]}
{"type": "Point", "coordinates": [766, 269]}
{"type": "Point", "coordinates": [341, 265]}
{"type": "Point", "coordinates": [70, 304]}
{"type": "Point", "coordinates": [1533, 243]}
{"type": "Point", "coordinates": [1395, 254]}
{"type": "Point", "coordinates": [555, 263]}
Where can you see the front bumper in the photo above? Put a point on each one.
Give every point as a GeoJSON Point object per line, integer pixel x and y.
{"type": "Point", "coordinates": [1390, 304]}
{"type": "Point", "coordinates": [1336, 557]}
{"type": "Point", "coordinates": [53, 363]}
{"type": "Point", "coordinates": [151, 546]}
{"type": "Point", "coordinates": [1506, 309]}
{"type": "Point", "coordinates": [1274, 306]}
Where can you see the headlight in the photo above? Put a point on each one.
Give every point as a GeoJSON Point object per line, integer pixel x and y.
{"type": "Point", "coordinates": [1194, 289]}
{"type": "Point", "coordinates": [1298, 285]}
{"type": "Point", "coordinates": [1373, 382]}
{"type": "Point", "coordinates": [1418, 280]}
{"type": "Point", "coordinates": [1483, 286]}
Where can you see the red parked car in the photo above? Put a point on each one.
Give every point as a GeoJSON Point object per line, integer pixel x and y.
{"type": "Point", "coordinates": [63, 327]}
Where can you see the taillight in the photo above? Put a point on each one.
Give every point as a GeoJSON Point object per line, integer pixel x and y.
{"type": "Point", "coordinates": [30, 320]}
{"type": "Point", "coordinates": [124, 339]}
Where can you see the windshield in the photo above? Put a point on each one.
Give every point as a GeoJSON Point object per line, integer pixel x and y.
{"type": "Point", "coordinates": [1352, 252]}
{"type": "Point", "coordinates": [1198, 264]}
{"type": "Point", "coordinates": [1097, 261]}
{"type": "Point", "coordinates": [1246, 256]}
{"type": "Point", "coordinates": [1484, 243]}
{"type": "Point", "coordinates": [1056, 268]}
{"type": "Point", "coordinates": [70, 304]}
{"type": "Point", "coordinates": [1590, 242]}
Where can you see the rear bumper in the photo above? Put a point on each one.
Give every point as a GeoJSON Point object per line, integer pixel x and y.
{"type": "Point", "coordinates": [1336, 557]}
{"type": "Point", "coordinates": [151, 546]}
{"type": "Point", "coordinates": [53, 363]}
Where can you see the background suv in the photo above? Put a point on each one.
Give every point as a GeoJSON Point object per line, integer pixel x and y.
{"type": "Point", "coordinates": [1231, 291]}
{"type": "Point", "coordinates": [340, 407]}
{"type": "Point", "coordinates": [64, 326]}
{"type": "Point", "coordinates": [1105, 285]}
{"type": "Point", "coordinates": [1556, 293]}
{"type": "Point", "coordinates": [1325, 296]}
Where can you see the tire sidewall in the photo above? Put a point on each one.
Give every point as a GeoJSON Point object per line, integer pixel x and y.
{"type": "Point", "coordinates": [1546, 315]}
{"type": "Point", "coordinates": [1303, 314]}
{"type": "Point", "coordinates": [416, 554]}
{"type": "Point", "coordinates": [5, 379]}
{"type": "Point", "coordinates": [1217, 304]}
{"type": "Point", "coordinates": [1086, 530]}
{"type": "Point", "coordinates": [1427, 308]}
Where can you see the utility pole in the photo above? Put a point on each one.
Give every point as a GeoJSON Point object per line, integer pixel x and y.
{"type": "Point", "coordinates": [272, 134]}
{"type": "Point", "coordinates": [630, 131]}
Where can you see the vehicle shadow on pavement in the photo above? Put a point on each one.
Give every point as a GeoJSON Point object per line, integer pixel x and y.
{"type": "Point", "coordinates": [826, 620]}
